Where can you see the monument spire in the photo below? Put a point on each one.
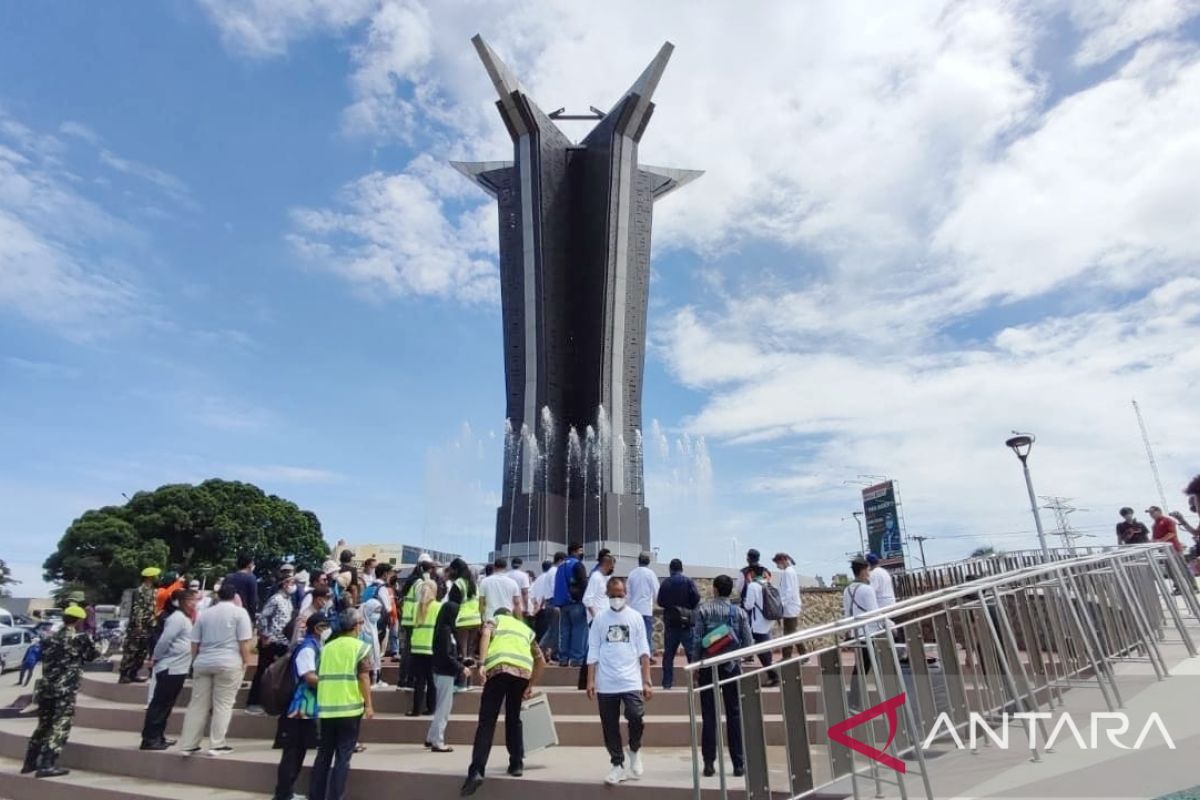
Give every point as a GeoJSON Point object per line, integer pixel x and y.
{"type": "Point", "coordinates": [574, 281]}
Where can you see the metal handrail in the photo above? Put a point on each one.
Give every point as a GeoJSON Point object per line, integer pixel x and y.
{"type": "Point", "coordinates": [1027, 635]}
{"type": "Point", "coordinates": [911, 605]}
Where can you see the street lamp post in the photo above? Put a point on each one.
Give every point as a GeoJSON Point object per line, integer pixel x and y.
{"type": "Point", "coordinates": [1021, 444]}
{"type": "Point", "coordinates": [862, 543]}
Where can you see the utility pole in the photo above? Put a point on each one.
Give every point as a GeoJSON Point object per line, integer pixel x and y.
{"type": "Point", "coordinates": [1062, 510]}
{"type": "Point", "coordinates": [1162, 496]}
{"type": "Point", "coordinates": [920, 540]}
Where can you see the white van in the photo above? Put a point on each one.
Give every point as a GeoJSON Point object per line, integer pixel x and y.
{"type": "Point", "coordinates": [6, 619]}
{"type": "Point", "coordinates": [13, 644]}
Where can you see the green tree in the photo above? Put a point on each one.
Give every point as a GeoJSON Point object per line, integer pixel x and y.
{"type": "Point", "coordinates": [198, 530]}
{"type": "Point", "coordinates": [984, 552]}
{"type": "Point", "coordinates": [6, 579]}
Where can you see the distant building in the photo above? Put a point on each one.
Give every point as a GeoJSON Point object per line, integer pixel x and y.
{"type": "Point", "coordinates": [398, 554]}
{"type": "Point", "coordinates": [841, 579]}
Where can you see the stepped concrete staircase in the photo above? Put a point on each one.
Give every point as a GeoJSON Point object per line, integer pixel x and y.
{"type": "Point", "coordinates": [103, 749]}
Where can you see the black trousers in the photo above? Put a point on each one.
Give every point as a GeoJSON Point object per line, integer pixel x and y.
{"type": "Point", "coordinates": [504, 690]}
{"type": "Point", "coordinates": [424, 693]}
{"type": "Point", "coordinates": [166, 692]}
{"type": "Point", "coordinates": [266, 657]}
{"type": "Point", "coordinates": [733, 720]}
{"type": "Point", "coordinates": [297, 737]}
{"type": "Point", "coordinates": [610, 722]}
{"type": "Point", "coordinates": [406, 657]}
{"type": "Point", "coordinates": [331, 769]}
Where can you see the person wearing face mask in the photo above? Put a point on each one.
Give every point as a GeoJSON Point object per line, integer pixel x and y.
{"type": "Point", "coordinates": [619, 677]}
{"type": "Point", "coordinates": [298, 725]}
{"type": "Point", "coordinates": [1130, 530]}
{"type": "Point", "coordinates": [273, 637]}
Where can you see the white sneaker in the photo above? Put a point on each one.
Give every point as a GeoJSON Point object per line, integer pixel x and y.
{"type": "Point", "coordinates": [256, 711]}
{"type": "Point", "coordinates": [635, 765]}
{"type": "Point", "coordinates": [615, 775]}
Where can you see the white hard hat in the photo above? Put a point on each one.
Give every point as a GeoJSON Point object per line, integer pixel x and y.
{"type": "Point", "coordinates": [424, 558]}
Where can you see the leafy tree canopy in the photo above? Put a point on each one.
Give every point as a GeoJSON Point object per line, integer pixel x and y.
{"type": "Point", "coordinates": [198, 530]}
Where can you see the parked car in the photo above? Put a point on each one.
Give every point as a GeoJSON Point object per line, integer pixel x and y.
{"type": "Point", "coordinates": [13, 644]}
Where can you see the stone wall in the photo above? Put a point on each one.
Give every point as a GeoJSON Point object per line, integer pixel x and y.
{"type": "Point", "coordinates": [818, 607]}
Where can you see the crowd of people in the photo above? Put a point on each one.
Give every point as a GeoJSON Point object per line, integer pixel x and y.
{"type": "Point", "coordinates": [314, 648]}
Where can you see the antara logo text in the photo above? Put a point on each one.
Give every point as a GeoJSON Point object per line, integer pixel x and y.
{"type": "Point", "coordinates": [1114, 727]}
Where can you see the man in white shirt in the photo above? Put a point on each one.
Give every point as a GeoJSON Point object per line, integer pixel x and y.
{"type": "Point", "coordinates": [642, 588]}
{"type": "Point", "coordinates": [618, 676]}
{"type": "Point", "coordinates": [498, 590]}
{"type": "Point", "coordinates": [595, 597]}
{"type": "Point", "coordinates": [788, 583]}
{"type": "Point", "coordinates": [881, 582]}
{"type": "Point", "coordinates": [546, 616]}
{"type": "Point", "coordinates": [859, 600]}
{"type": "Point", "coordinates": [760, 626]}
{"type": "Point", "coordinates": [517, 573]}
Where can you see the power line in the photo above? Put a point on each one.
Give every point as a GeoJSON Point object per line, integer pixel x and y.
{"type": "Point", "coordinates": [1062, 508]}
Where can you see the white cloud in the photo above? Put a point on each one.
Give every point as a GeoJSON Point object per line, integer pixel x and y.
{"type": "Point", "coordinates": [280, 473]}
{"type": "Point", "coordinates": [262, 28]}
{"type": "Point", "coordinates": [1103, 189]}
{"type": "Point", "coordinates": [48, 231]}
{"type": "Point", "coordinates": [392, 233]}
{"type": "Point", "coordinates": [911, 169]}
{"type": "Point", "coordinates": [1112, 26]}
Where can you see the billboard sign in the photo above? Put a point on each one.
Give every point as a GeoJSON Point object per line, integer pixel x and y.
{"type": "Point", "coordinates": [883, 522]}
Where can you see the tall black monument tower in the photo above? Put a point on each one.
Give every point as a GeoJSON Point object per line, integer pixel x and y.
{"type": "Point", "coordinates": [574, 273]}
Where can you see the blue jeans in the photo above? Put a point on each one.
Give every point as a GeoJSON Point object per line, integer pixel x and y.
{"type": "Point", "coordinates": [674, 638]}
{"type": "Point", "coordinates": [649, 632]}
{"type": "Point", "coordinates": [572, 634]}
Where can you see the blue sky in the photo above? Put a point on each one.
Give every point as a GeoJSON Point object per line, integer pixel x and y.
{"type": "Point", "coordinates": [230, 246]}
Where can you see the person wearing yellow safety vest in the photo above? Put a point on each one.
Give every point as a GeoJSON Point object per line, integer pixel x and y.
{"type": "Point", "coordinates": [343, 701]}
{"type": "Point", "coordinates": [408, 611]}
{"type": "Point", "coordinates": [510, 663]}
{"type": "Point", "coordinates": [470, 620]}
{"type": "Point", "coordinates": [424, 621]}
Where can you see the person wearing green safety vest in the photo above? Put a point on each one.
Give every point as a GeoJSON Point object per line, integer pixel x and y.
{"type": "Point", "coordinates": [424, 621]}
{"type": "Point", "coordinates": [343, 701]}
{"type": "Point", "coordinates": [470, 620]}
{"type": "Point", "coordinates": [510, 665]}
{"type": "Point", "coordinates": [408, 611]}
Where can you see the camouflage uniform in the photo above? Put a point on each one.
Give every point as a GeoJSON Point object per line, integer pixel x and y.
{"type": "Point", "coordinates": [63, 657]}
{"type": "Point", "coordinates": [137, 636]}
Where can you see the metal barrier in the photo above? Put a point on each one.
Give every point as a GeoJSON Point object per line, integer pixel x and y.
{"type": "Point", "coordinates": [1012, 641]}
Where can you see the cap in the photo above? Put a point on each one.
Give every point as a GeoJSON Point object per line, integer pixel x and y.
{"type": "Point", "coordinates": [424, 558]}
{"type": "Point", "coordinates": [329, 567]}
{"type": "Point", "coordinates": [872, 558]}
{"type": "Point", "coordinates": [74, 612]}
{"type": "Point", "coordinates": [287, 567]}
{"type": "Point", "coordinates": [315, 619]}
{"type": "Point", "coordinates": [151, 572]}
{"type": "Point", "coordinates": [194, 584]}
{"type": "Point", "coordinates": [302, 577]}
